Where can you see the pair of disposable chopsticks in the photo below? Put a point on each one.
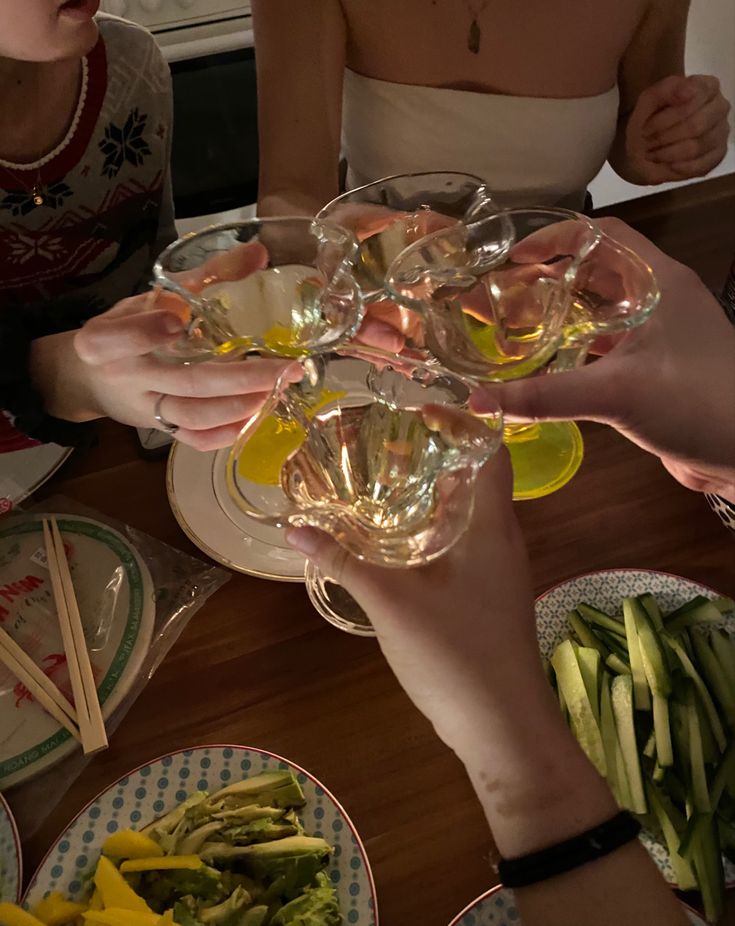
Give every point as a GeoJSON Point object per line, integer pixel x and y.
{"type": "Point", "coordinates": [38, 684]}
{"type": "Point", "coordinates": [88, 712]}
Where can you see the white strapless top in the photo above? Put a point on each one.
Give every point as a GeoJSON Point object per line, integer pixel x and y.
{"type": "Point", "coordinates": [529, 150]}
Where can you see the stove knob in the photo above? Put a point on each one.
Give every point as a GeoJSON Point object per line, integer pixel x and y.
{"type": "Point", "coordinates": [116, 7]}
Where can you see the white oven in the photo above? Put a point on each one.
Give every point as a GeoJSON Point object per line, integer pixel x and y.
{"type": "Point", "coordinates": [209, 46]}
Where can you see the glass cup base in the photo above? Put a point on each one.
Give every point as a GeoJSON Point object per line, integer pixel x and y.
{"type": "Point", "coordinates": [545, 456]}
{"type": "Point", "coordinates": [335, 604]}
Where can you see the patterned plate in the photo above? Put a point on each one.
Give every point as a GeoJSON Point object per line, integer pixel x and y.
{"type": "Point", "coordinates": [606, 589]}
{"type": "Point", "coordinates": [497, 907]}
{"type": "Point", "coordinates": [11, 863]}
{"type": "Point", "coordinates": [24, 470]}
{"type": "Point", "coordinates": [152, 790]}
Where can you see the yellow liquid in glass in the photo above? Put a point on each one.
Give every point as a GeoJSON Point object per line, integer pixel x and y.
{"type": "Point", "coordinates": [273, 442]}
{"type": "Point", "coordinates": [546, 455]}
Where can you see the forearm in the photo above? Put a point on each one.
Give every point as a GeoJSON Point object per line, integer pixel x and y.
{"type": "Point", "coordinates": [289, 202]}
{"type": "Point", "coordinates": [60, 377]}
{"type": "Point", "coordinates": [537, 789]}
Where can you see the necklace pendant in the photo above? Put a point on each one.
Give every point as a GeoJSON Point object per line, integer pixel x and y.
{"type": "Point", "coordinates": [38, 198]}
{"type": "Point", "coordinates": [473, 37]}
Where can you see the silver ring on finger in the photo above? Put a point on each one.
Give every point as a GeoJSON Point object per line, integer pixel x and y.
{"type": "Point", "coordinates": [165, 425]}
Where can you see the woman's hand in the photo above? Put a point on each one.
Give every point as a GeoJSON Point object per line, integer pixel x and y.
{"type": "Point", "coordinates": [460, 636]}
{"type": "Point", "coordinates": [677, 130]}
{"type": "Point", "coordinates": [443, 626]}
{"type": "Point", "coordinates": [108, 368]}
{"type": "Point", "coordinates": [666, 386]}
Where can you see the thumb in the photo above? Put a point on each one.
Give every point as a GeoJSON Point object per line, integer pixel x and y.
{"type": "Point", "coordinates": [359, 579]}
{"type": "Point", "coordinates": [585, 394]}
{"type": "Point", "coordinates": [105, 339]}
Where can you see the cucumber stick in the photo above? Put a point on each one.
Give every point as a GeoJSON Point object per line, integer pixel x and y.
{"type": "Point", "coordinates": [589, 666]}
{"type": "Point", "coordinates": [581, 714]}
{"type": "Point", "coordinates": [699, 610]}
{"type": "Point", "coordinates": [655, 662]}
{"type": "Point", "coordinates": [662, 731]}
{"type": "Point", "coordinates": [616, 665]}
{"type": "Point", "coordinates": [622, 705]}
{"type": "Point", "coordinates": [616, 774]}
{"type": "Point", "coordinates": [689, 669]}
{"type": "Point", "coordinates": [585, 635]}
{"type": "Point", "coordinates": [700, 792]}
{"type": "Point", "coordinates": [724, 649]}
{"type": "Point", "coordinates": [707, 862]}
{"type": "Point", "coordinates": [682, 869]}
{"type": "Point", "coordinates": [599, 618]}
{"type": "Point", "coordinates": [641, 693]}
{"type": "Point", "coordinates": [652, 609]}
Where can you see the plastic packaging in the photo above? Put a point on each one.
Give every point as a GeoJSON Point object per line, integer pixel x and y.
{"type": "Point", "coordinates": [136, 595]}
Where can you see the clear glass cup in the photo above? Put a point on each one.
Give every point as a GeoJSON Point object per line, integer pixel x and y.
{"type": "Point", "coordinates": [281, 286]}
{"type": "Point", "coordinates": [390, 214]}
{"type": "Point", "coordinates": [521, 293]}
{"type": "Point", "coordinates": [382, 455]}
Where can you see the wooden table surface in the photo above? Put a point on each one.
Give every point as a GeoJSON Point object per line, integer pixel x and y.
{"type": "Point", "coordinates": [257, 666]}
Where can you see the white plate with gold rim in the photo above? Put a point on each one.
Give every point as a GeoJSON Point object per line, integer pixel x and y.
{"type": "Point", "coordinates": [197, 493]}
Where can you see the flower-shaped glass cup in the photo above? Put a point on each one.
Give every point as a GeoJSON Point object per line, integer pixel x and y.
{"type": "Point", "coordinates": [383, 457]}
{"type": "Point", "coordinates": [282, 286]}
{"type": "Point", "coordinates": [522, 293]}
{"type": "Point", "coordinates": [390, 214]}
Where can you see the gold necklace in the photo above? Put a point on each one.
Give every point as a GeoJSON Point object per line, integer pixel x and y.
{"type": "Point", "coordinates": [37, 192]}
{"type": "Point", "coordinates": [474, 36]}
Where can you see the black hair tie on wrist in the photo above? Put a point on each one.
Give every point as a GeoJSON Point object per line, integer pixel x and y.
{"type": "Point", "coordinates": [570, 854]}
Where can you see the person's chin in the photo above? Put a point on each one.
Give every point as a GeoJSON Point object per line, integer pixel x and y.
{"type": "Point", "coordinates": [78, 27]}
{"type": "Point", "coordinates": [79, 42]}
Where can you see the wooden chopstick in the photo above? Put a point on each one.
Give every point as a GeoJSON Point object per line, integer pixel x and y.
{"type": "Point", "coordinates": [89, 713]}
{"type": "Point", "coordinates": [37, 674]}
{"type": "Point", "coordinates": [46, 693]}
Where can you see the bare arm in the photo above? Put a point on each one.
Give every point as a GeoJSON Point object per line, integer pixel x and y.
{"type": "Point", "coordinates": [300, 63]}
{"type": "Point", "coordinates": [461, 638]}
{"type": "Point", "coordinates": [655, 52]}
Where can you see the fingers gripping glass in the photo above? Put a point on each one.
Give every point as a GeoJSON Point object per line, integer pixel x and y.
{"type": "Point", "coordinates": [522, 293]}
{"type": "Point", "coordinates": [382, 456]}
{"type": "Point", "coordinates": [388, 215]}
{"type": "Point", "coordinates": [282, 287]}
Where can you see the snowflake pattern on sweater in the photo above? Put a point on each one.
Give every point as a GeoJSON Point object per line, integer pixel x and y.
{"type": "Point", "coordinates": [107, 208]}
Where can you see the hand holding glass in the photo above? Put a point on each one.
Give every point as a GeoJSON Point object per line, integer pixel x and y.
{"type": "Point", "coordinates": [523, 293]}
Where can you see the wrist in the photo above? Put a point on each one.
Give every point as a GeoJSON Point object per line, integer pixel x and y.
{"type": "Point", "coordinates": [62, 378]}
{"type": "Point", "coordinates": [535, 784]}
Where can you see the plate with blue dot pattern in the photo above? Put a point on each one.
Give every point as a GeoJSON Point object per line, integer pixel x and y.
{"type": "Point", "coordinates": [10, 856]}
{"type": "Point", "coordinates": [606, 589]}
{"type": "Point", "coordinates": [497, 907]}
{"type": "Point", "coordinates": [153, 789]}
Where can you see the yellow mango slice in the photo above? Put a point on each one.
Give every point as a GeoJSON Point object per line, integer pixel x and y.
{"type": "Point", "coordinates": [95, 901]}
{"type": "Point", "coordinates": [115, 916]}
{"type": "Point", "coordinates": [55, 910]}
{"type": "Point", "coordinates": [13, 915]}
{"type": "Point", "coordinates": [167, 863]}
{"type": "Point", "coordinates": [115, 890]}
{"type": "Point", "coordinates": [129, 844]}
